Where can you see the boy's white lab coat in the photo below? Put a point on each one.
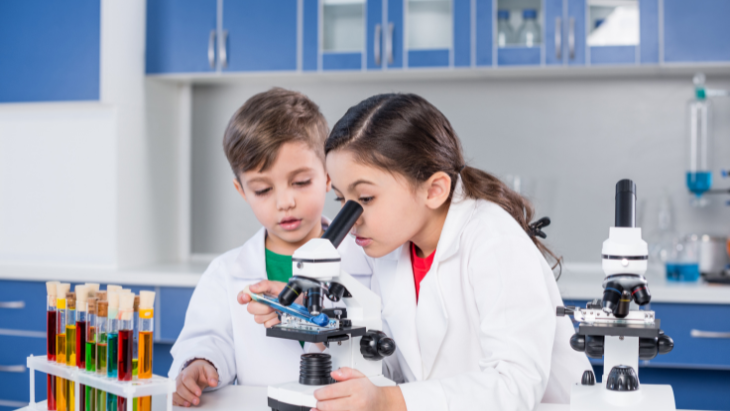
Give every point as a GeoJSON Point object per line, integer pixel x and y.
{"type": "Point", "coordinates": [221, 331]}
{"type": "Point", "coordinates": [484, 334]}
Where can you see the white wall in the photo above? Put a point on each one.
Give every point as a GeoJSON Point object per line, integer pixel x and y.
{"type": "Point", "coordinates": [573, 137]}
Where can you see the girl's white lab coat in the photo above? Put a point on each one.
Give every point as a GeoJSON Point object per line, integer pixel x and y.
{"type": "Point", "coordinates": [484, 334]}
{"type": "Point", "coordinates": [221, 331]}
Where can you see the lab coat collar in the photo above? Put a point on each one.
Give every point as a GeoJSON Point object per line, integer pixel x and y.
{"type": "Point", "coordinates": [251, 261]}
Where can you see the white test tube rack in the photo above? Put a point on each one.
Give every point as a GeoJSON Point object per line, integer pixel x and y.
{"type": "Point", "coordinates": [128, 389]}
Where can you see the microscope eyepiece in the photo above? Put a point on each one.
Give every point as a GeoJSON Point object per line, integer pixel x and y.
{"type": "Point", "coordinates": [343, 222]}
{"type": "Point", "coordinates": [625, 204]}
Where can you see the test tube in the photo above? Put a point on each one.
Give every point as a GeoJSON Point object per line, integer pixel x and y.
{"type": "Point", "coordinates": [135, 350]}
{"type": "Point", "coordinates": [71, 346]}
{"type": "Point", "coordinates": [51, 288]}
{"type": "Point", "coordinates": [91, 351]}
{"type": "Point", "coordinates": [113, 293]}
{"type": "Point", "coordinates": [102, 324]}
{"type": "Point", "coordinates": [126, 342]}
{"type": "Point", "coordinates": [82, 295]}
{"type": "Point", "coordinates": [146, 327]}
{"type": "Point", "coordinates": [61, 384]}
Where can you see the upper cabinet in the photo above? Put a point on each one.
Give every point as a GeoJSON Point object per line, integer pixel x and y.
{"type": "Point", "coordinates": [696, 31]}
{"type": "Point", "coordinates": [185, 36]}
{"type": "Point", "coordinates": [380, 35]}
{"type": "Point", "coordinates": [49, 50]}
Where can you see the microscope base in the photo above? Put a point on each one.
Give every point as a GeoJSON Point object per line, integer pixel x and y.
{"type": "Point", "coordinates": [598, 398]}
{"type": "Point", "coordinates": [292, 396]}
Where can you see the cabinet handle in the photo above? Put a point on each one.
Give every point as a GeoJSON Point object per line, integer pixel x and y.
{"type": "Point", "coordinates": [376, 45]}
{"type": "Point", "coordinates": [12, 368]}
{"type": "Point", "coordinates": [389, 43]}
{"type": "Point", "coordinates": [223, 51]}
{"type": "Point", "coordinates": [13, 305]}
{"type": "Point", "coordinates": [571, 38]}
{"type": "Point", "coordinates": [558, 38]}
{"type": "Point", "coordinates": [709, 334]}
{"type": "Point", "coordinates": [211, 49]}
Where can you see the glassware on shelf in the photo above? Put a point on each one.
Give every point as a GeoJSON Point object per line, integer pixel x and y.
{"type": "Point", "coordinates": [683, 264]}
{"type": "Point", "coordinates": [699, 170]}
{"type": "Point", "coordinates": [505, 34]}
{"type": "Point", "coordinates": [529, 34]}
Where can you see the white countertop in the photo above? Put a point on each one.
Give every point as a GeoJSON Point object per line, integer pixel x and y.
{"type": "Point", "coordinates": [578, 281]}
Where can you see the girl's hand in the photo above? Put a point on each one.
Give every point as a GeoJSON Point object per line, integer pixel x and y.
{"type": "Point", "coordinates": [262, 314]}
{"type": "Point", "coordinates": [355, 392]}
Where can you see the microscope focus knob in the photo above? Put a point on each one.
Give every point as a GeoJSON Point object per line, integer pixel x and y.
{"type": "Point", "coordinates": [375, 345]}
{"type": "Point", "coordinates": [622, 378]}
{"type": "Point", "coordinates": [665, 343]}
{"type": "Point", "coordinates": [588, 378]}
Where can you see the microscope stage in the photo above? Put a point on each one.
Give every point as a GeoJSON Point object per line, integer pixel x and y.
{"type": "Point", "coordinates": [619, 329]}
{"type": "Point", "coordinates": [320, 336]}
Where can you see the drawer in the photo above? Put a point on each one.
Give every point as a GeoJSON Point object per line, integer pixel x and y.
{"type": "Point", "coordinates": [14, 384]}
{"type": "Point", "coordinates": [174, 303]}
{"type": "Point", "coordinates": [23, 305]}
{"type": "Point", "coordinates": [679, 320]}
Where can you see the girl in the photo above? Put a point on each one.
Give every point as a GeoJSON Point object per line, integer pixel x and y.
{"type": "Point", "coordinates": [467, 294]}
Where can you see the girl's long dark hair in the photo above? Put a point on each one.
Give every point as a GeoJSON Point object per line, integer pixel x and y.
{"type": "Point", "coordinates": [405, 134]}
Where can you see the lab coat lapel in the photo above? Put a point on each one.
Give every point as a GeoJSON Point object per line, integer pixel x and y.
{"type": "Point", "coordinates": [251, 261]}
{"type": "Point", "coordinates": [432, 319]}
{"type": "Point", "coordinates": [400, 311]}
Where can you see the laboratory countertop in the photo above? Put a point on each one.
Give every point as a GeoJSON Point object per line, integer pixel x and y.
{"type": "Point", "coordinates": [577, 282]}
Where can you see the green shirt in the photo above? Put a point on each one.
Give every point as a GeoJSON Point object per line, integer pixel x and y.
{"type": "Point", "coordinates": [279, 268]}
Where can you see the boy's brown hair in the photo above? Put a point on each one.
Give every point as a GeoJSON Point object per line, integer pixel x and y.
{"type": "Point", "coordinates": [268, 120]}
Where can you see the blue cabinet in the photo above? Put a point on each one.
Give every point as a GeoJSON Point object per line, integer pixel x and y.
{"type": "Point", "coordinates": [259, 35]}
{"type": "Point", "coordinates": [181, 36]}
{"type": "Point", "coordinates": [14, 376]}
{"type": "Point", "coordinates": [50, 50]}
{"type": "Point", "coordinates": [243, 35]}
{"type": "Point", "coordinates": [696, 31]}
{"type": "Point", "coordinates": [174, 305]}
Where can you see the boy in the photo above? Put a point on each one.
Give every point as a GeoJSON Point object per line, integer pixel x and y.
{"type": "Point", "coordinates": [275, 146]}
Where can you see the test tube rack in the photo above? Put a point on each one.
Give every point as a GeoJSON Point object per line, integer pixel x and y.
{"type": "Point", "coordinates": [128, 389]}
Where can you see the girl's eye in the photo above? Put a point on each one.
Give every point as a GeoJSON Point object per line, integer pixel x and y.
{"type": "Point", "coordinates": [366, 200]}
{"type": "Point", "coordinates": [339, 199]}
{"type": "Point", "coordinates": [262, 192]}
{"type": "Point", "coordinates": [302, 183]}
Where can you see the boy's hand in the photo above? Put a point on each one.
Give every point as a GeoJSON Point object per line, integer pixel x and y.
{"type": "Point", "coordinates": [190, 383]}
{"type": "Point", "coordinates": [262, 314]}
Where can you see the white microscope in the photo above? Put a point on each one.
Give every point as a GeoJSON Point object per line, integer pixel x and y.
{"type": "Point", "coordinates": [608, 329]}
{"type": "Point", "coordinates": [351, 333]}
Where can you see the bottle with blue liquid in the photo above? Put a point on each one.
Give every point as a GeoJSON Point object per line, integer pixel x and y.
{"type": "Point", "coordinates": [699, 171]}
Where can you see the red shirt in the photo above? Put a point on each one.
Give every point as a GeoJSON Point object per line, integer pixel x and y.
{"type": "Point", "coordinates": [420, 267]}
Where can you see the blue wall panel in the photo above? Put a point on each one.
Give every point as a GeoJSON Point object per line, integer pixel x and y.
{"type": "Point", "coordinates": [342, 61]}
{"type": "Point", "coordinates": [49, 50]}
{"type": "Point", "coordinates": [613, 55]}
{"type": "Point", "coordinates": [518, 56]}
{"type": "Point", "coordinates": [428, 58]}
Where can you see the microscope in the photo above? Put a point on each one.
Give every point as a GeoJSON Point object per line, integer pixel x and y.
{"type": "Point", "coordinates": [608, 329]}
{"type": "Point", "coordinates": [351, 333]}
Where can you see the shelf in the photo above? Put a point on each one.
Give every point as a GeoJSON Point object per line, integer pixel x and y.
{"type": "Point", "coordinates": [128, 389]}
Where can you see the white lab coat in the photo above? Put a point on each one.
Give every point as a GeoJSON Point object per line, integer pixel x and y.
{"type": "Point", "coordinates": [221, 331]}
{"type": "Point", "coordinates": [484, 334]}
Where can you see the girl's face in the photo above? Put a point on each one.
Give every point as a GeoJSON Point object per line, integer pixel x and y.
{"type": "Point", "coordinates": [394, 212]}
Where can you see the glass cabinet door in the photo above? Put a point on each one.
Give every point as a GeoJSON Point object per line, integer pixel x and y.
{"type": "Point", "coordinates": [519, 32]}
{"type": "Point", "coordinates": [612, 30]}
{"type": "Point", "coordinates": [429, 33]}
{"type": "Point", "coordinates": [343, 34]}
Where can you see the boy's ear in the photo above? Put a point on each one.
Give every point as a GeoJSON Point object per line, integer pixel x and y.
{"type": "Point", "coordinates": [438, 188]}
{"type": "Point", "coordinates": [239, 188]}
{"type": "Point", "coordinates": [329, 183]}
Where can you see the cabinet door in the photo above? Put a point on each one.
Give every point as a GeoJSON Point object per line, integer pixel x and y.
{"type": "Point", "coordinates": [50, 50]}
{"type": "Point", "coordinates": [484, 27]}
{"type": "Point", "coordinates": [343, 32]}
{"type": "Point", "coordinates": [394, 33]}
{"type": "Point", "coordinates": [259, 35]}
{"type": "Point", "coordinates": [696, 31]}
{"type": "Point", "coordinates": [181, 36]}
{"type": "Point", "coordinates": [555, 33]}
{"type": "Point", "coordinates": [437, 32]}
{"type": "Point", "coordinates": [374, 34]}
{"type": "Point", "coordinates": [520, 31]}
{"type": "Point", "coordinates": [576, 33]}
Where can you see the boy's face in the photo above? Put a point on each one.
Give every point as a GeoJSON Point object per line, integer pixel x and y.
{"type": "Point", "coordinates": [288, 198]}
